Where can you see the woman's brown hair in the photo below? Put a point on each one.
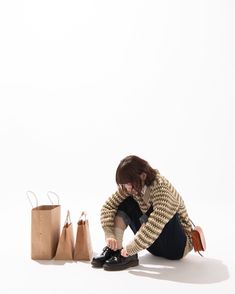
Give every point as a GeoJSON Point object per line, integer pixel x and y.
{"type": "Point", "coordinates": [129, 170]}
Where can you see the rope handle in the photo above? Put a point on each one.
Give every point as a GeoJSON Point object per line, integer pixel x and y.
{"type": "Point", "coordinates": [83, 217]}
{"type": "Point", "coordinates": [29, 193]}
{"type": "Point", "coordinates": [54, 194]}
{"type": "Point", "coordinates": [68, 218]}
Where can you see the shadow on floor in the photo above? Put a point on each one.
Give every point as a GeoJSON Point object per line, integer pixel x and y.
{"type": "Point", "coordinates": [192, 269]}
{"type": "Point", "coordinates": [60, 262]}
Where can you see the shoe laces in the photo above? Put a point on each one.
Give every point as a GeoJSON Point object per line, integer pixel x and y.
{"type": "Point", "coordinates": [116, 256]}
{"type": "Point", "coordinates": [105, 249]}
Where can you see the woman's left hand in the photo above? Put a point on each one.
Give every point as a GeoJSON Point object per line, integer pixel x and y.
{"type": "Point", "coordinates": [124, 252]}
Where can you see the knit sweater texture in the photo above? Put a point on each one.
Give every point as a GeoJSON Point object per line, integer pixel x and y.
{"type": "Point", "coordinates": [166, 202]}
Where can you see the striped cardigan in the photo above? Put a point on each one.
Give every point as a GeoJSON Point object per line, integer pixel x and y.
{"type": "Point", "coordinates": [166, 202]}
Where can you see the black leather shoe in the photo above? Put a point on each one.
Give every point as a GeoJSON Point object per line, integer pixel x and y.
{"type": "Point", "coordinates": [118, 262]}
{"type": "Point", "coordinates": [105, 255]}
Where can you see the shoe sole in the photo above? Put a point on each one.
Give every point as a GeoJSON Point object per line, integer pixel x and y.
{"type": "Point", "coordinates": [121, 267]}
{"type": "Point", "coordinates": [97, 265]}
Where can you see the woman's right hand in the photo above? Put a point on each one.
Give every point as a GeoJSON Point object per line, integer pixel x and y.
{"type": "Point", "coordinates": [112, 243]}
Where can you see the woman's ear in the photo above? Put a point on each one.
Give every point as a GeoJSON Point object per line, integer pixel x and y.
{"type": "Point", "coordinates": [143, 176]}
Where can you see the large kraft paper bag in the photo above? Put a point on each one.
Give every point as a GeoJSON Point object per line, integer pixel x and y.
{"type": "Point", "coordinates": [45, 231]}
{"type": "Point", "coordinates": [65, 247]}
{"type": "Point", "coordinates": [83, 247]}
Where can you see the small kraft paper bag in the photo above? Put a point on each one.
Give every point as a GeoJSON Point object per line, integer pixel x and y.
{"type": "Point", "coordinates": [65, 247]}
{"type": "Point", "coordinates": [83, 247]}
{"type": "Point", "coordinates": [45, 229]}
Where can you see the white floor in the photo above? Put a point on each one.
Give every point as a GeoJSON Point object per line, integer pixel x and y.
{"type": "Point", "coordinates": [213, 273]}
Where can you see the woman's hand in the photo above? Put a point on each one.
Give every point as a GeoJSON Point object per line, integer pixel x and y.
{"type": "Point", "coordinates": [124, 252]}
{"type": "Point", "coordinates": [112, 243]}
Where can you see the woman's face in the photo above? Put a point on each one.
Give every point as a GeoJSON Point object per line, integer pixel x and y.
{"type": "Point", "coordinates": [130, 188]}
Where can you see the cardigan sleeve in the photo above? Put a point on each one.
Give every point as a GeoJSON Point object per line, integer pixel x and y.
{"type": "Point", "coordinates": [109, 210]}
{"type": "Point", "coordinates": [165, 205]}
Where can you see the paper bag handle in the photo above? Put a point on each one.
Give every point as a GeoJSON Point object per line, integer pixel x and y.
{"type": "Point", "coordinates": [68, 219]}
{"type": "Point", "coordinates": [54, 194]}
{"type": "Point", "coordinates": [28, 193]}
{"type": "Point", "coordinates": [83, 216]}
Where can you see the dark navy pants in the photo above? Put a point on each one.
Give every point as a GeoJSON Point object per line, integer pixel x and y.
{"type": "Point", "coordinates": [172, 240]}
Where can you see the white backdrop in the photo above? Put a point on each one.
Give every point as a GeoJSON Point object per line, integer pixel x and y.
{"type": "Point", "coordinates": [85, 83]}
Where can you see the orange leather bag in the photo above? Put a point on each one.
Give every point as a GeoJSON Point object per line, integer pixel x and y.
{"type": "Point", "coordinates": [198, 239]}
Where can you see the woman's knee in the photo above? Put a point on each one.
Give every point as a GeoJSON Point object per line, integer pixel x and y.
{"type": "Point", "coordinates": [130, 207]}
{"type": "Point", "coordinates": [127, 203]}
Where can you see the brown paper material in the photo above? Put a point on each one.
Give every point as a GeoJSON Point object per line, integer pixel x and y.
{"type": "Point", "coordinates": [65, 247]}
{"type": "Point", "coordinates": [83, 247]}
{"type": "Point", "coordinates": [45, 231]}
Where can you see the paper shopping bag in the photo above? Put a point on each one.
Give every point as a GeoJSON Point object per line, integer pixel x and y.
{"type": "Point", "coordinates": [45, 231]}
{"type": "Point", "coordinates": [83, 246]}
{"type": "Point", "coordinates": [66, 242]}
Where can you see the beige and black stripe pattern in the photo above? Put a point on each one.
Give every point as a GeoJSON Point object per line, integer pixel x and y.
{"type": "Point", "coordinates": [166, 202]}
